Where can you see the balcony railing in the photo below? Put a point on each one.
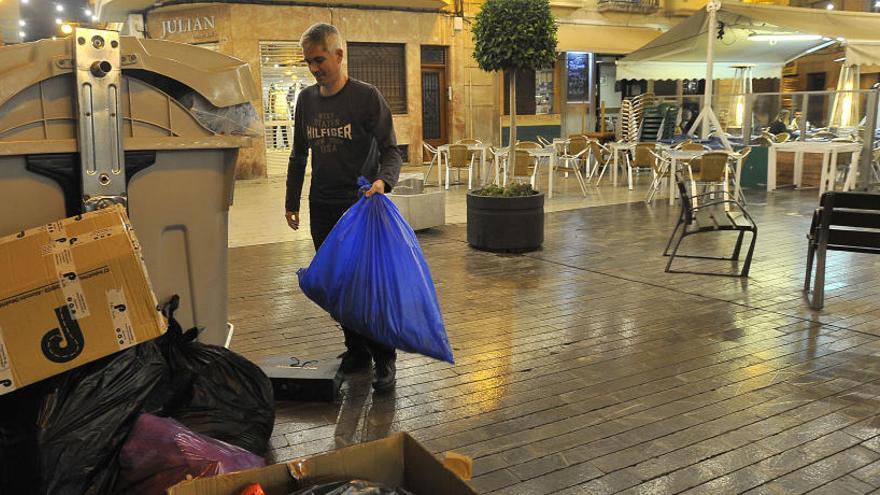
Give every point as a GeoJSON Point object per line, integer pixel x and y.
{"type": "Point", "coordinates": [636, 6]}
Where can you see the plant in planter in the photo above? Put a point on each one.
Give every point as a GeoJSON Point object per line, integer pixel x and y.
{"type": "Point", "coordinates": [511, 35]}
{"type": "Point", "coordinates": [515, 190]}
{"type": "Point", "coordinates": [507, 219]}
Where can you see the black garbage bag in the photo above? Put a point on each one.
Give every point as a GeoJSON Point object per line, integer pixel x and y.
{"type": "Point", "coordinates": [216, 392]}
{"type": "Point", "coordinates": [87, 414]}
{"type": "Point", "coordinates": [19, 458]}
{"type": "Point", "coordinates": [354, 487]}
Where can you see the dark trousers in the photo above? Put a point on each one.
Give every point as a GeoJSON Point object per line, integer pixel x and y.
{"type": "Point", "coordinates": [322, 218]}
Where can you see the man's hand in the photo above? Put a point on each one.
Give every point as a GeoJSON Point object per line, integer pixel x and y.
{"type": "Point", "coordinates": [378, 187]}
{"type": "Point", "coordinates": [292, 219]}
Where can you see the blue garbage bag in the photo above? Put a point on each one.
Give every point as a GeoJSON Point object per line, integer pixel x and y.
{"type": "Point", "coordinates": [371, 276]}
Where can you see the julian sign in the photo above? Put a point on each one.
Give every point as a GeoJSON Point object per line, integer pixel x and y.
{"type": "Point", "coordinates": [188, 25]}
{"type": "Point", "coordinates": [201, 25]}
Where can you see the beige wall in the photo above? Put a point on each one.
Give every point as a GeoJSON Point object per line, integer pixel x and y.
{"type": "Point", "coordinates": [476, 94]}
{"type": "Point", "coordinates": [250, 24]}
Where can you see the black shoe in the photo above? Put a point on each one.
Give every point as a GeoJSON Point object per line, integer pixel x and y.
{"type": "Point", "coordinates": [384, 375]}
{"type": "Point", "coordinates": [352, 362]}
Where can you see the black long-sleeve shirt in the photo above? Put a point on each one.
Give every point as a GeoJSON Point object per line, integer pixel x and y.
{"type": "Point", "coordinates": [345, 132]}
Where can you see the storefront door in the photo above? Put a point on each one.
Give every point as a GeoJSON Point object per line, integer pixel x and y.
{"type": "Point", "coordinates": [284, 75]}
{"type": "Point", "coordinates": [434, 100]}
{"type": "Point", "coordinates": [434, 106]}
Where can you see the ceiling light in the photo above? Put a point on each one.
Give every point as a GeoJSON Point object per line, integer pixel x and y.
{"type": "Point", "coordinates": [58, 21]}
{"type": "Point", "coordinates": [830, 6]}
{"type": "Point", "coordinates": [25, 1]}
{"type": "Point", "coordinates": [66, 29]}
{"type": "Point", "coordinates": [89, 12]}
{"type": "Point", "coordinates": [21, 33]}
{"type": "Point", "coordinates": [784, 37]}
{"type": "Point", "coordinates": [22, 23]}
{"type": "Point", "coordinates": [94, 18]}
{"type": "Point", "coordinates": [59, 7]}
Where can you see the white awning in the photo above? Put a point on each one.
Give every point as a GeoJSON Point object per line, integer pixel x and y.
{"type": "Point", "coordinates": [680, 53]}
{"type": "Point", "coordinates": [688, 70]}
{"type": "Point", "coordinates": [863, 53]}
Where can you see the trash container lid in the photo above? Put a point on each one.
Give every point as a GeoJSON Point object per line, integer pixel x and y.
{"type": "Point", "coordinates": [221, 79]}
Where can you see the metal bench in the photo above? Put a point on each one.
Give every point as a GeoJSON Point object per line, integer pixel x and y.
{"type": "Point", "coordinates": [716, 215]}
{"type": "Point", "coordinates": [844, 221]}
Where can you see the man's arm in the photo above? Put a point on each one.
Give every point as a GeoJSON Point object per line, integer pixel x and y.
{"type": "Point", "coordinates": [383, 132]}
{"type": "Point", "coordinates": [296, 165]}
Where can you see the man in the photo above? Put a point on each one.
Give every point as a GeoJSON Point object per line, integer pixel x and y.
{"type": "Point", "coordinates": [780, 124]}
{"type": "Point", "coordinates": [687, 120]}
{"type": "Point", "coordinates": [345, 123]}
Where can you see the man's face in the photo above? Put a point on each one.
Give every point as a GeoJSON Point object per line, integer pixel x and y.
{"type": "Point", "coordinates": [323, 65]}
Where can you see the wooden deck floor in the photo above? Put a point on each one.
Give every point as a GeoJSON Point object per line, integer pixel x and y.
{"type": "Point", "coordinates": [584, 368]}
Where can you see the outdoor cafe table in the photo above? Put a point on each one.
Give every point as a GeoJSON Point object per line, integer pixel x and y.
{"type": "Point", "coordinates": [685, 155]}
{"type": "Point", "coordinates": [674, 157]}
{"type": "Point", "coordinates": [828, 149]}
{"type": "Point", "coordinates": [444, 153]}
{"type": "Point", "coordinates": [548, 152]}
{"type": "Point", "coordinates": [617, 148]}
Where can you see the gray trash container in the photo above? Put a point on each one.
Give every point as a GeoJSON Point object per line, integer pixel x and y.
{"type": "Point", "coordinates": [177, 178]}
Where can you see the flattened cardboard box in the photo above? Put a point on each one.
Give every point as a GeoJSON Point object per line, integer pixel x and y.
{"type": "Point", "coordinates": [396, 461]}
{"type": "Point", "coordinates": [72, 292]}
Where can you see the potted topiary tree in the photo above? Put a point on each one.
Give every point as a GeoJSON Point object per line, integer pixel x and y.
{"type": "Point", "coordinates": [510, 35]}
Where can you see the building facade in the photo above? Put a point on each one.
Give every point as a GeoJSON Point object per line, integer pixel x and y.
{"type": "Point", "coordinates": [419, 55]}
{"type": "Point", "coordinates": [384, 47]}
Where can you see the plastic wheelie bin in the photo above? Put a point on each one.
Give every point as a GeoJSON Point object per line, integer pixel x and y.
{"type": "Point", "coordinates": [95, 119]}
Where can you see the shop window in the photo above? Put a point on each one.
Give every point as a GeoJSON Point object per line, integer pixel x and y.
{"type": "Point", "coordinates": [284, 75]}
{"type": "Point", "coordinates": [383, 65]}
{"type": "Point", "coordinates": [534, 92]}
{"type": "Point", "coordinates": [525, 93]}
{"type": "Point", "coordinates": [544, 91]}
{"type": "Point", "coordinates": [433, 55]}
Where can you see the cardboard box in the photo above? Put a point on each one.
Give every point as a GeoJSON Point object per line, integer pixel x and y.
{"type": "Point", "coordinates": [72, 292]}
{"type": "Point", "coordinates": [396, 461]}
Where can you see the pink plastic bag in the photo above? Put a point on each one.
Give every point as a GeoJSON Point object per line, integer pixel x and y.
{"type": "Point", "coordinates": [160, 452]}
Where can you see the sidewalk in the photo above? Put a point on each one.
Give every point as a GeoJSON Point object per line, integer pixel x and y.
{"type": "Point", "coordinates": [584, 368]}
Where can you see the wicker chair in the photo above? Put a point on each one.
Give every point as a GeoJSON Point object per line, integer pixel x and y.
{"type": "Point", "coordinates": [460, 158]}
